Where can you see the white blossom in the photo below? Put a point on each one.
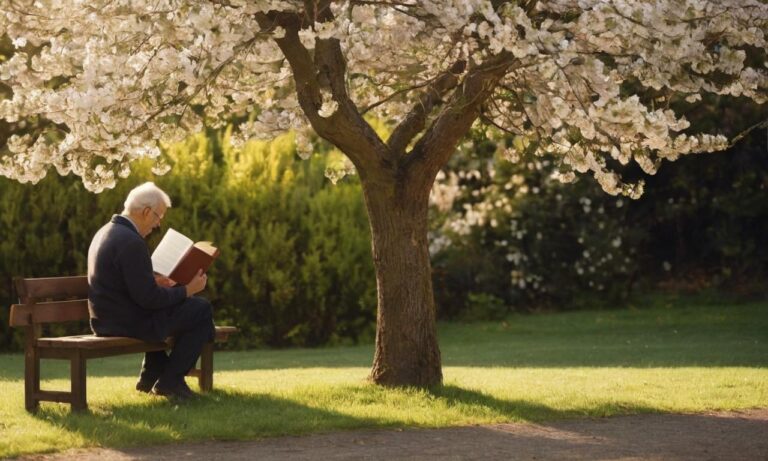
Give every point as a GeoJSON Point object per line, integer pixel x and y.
{"type": "Point", "coordinates": [115, 78]}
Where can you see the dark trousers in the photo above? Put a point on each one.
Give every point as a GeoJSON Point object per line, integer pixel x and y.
{"type": "Point", "coordinates": [191, 325]}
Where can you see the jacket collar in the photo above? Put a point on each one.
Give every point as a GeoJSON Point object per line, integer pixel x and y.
{"type": "Point", "coordinates": [119, 219]}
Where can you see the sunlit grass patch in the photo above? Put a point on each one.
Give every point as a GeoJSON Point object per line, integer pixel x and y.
{"type": "Point", "coordinates": [527, 368]}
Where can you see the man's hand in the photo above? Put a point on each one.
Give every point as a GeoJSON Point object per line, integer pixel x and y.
{"type": "Point", "coordinates": [197, 284]}
{"type": "Point", "coordinates": [164, 281]}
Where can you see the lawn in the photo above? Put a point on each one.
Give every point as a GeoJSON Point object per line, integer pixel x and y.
{"type": "Point", "coordinates": [677, 357]}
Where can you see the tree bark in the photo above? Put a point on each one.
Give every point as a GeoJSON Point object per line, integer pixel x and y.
{"type": "Point", "coordinates": [407, 353]}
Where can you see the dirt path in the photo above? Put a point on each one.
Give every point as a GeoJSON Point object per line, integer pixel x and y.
{"type": "Point", "coordinates": [715, 436]}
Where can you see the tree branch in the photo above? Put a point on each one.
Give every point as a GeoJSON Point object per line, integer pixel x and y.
{"type": "Point", "coordinates": [345, 128]}
{"type": "Point", "coordinates": [438, 143]}
{"type": "Point", "coordinates": [395, 94]}
{"type": "Point", "coordinates": [298, 57]}
{"type": "Point", "coordinates": [416, 119]}
{"type": "Point", "coordinates": [740, 136]}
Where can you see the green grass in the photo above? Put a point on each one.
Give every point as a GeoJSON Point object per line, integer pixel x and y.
{"type": "Point", "coordinates": [530, 368]}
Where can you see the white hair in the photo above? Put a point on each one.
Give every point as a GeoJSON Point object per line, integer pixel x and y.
{"type": "Point", "coordinates": [145, 195]}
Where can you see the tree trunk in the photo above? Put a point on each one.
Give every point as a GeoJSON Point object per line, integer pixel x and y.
{"type": "Point", "coordinates": [407, 353]}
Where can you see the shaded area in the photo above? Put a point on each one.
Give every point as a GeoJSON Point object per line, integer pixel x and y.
{"type": "Point", "coordinates": [669, 437]}
{"type": "Point", "coordinates": [523, 410]}
{"type": "Point", "coordinates": [155, 421]}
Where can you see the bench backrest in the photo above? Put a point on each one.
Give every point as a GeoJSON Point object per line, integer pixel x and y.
{"type": "Point", "coordinates": [50, 300]}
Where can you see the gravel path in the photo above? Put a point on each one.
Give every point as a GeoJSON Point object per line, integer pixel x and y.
{"type": "Point", "coordinates": [713, 436]}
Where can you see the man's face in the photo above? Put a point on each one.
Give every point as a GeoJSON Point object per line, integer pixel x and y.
{"type": "Point", "coordinates": [151, 219]}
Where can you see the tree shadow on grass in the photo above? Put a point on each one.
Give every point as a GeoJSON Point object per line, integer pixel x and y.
{"type": "Point", "coordinates": [218, 415]}
{"type": "Point", "coordinates": [238, 415]}
{"type": "Point", "coordinates": [481, 404]}
{"type": "Point", "coordinates": [681, 437]}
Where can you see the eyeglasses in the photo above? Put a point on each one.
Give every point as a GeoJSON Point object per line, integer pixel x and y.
{"type": "Point", "coordinates": [159, 218]}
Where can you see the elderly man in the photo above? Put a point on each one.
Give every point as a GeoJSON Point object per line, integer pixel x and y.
{"type": "Point", "coordinates": [126, 298]}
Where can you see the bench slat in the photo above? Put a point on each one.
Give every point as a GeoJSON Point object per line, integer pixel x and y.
{"type": "Point", "coordinates": [103, 342]}
{"type": "Point", "coordinates": [223, 332]}
{"type": "Point", "coordinates": [23, 315]}
{"type": "Point", "coordinates": [88, 342]}
{"type": "Point", "coordinates": [32, 289]}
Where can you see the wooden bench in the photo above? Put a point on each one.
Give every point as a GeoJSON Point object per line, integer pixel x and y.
{"type": "Point", "coordinates": [65, 299]}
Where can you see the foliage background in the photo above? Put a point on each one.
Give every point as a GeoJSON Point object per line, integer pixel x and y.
{"type": "Point", "coordinates": [295, 266]}
{"type": "Point", "coordinates": [515, 238]}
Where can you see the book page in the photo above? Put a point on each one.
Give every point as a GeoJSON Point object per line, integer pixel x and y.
{"type": "Point", "coordinates": [207, 248]}
{"type": "Point", "coordinates": [169, 251]}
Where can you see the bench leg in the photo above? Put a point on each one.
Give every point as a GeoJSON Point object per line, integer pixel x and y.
{"type": "Point", "coordinates": [77, 377]}
{"type": "Point", "coordinates": [205, 379]}
{"type": "Point", "coordinates": [31, 379]}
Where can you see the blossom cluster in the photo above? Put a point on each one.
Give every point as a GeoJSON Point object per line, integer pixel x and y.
{"type": "Point", "coordinates": [588, 80]}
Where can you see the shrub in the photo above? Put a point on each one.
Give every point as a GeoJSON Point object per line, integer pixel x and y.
{"type": "Point", "coordinates": [511, 231]}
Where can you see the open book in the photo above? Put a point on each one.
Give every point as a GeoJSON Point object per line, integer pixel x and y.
{"type": "Point", "coordinates": [179, 259]}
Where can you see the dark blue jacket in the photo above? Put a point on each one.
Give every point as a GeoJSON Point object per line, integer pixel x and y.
{"type": "Point", "coordinates": [124, 299]}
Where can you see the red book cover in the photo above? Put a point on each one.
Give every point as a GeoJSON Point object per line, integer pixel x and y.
{"type": "Point", "coordinates": [199, 256]}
